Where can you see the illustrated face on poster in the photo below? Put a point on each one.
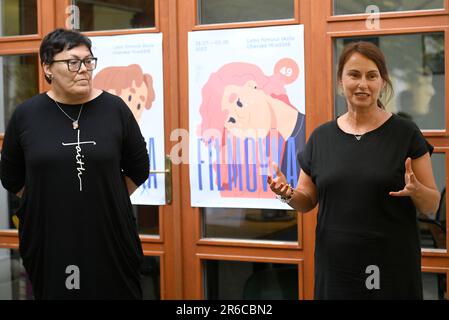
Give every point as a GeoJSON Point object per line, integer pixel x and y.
{"type": "Point", "coordinates": [246, 102]}
{"type": "Point", "coordinates": [129, 83]}
{"type": "Point", "coordinates": [247, 119]}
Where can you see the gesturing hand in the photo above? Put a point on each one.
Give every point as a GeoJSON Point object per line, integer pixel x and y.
{"type": "Point", "coordinates": [278, 185]}
{"type": "Point", "coordinates": [411, 183]}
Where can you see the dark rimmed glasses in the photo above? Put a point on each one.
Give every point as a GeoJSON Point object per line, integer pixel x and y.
{"type": "Point", "coordinates": [74, 65]}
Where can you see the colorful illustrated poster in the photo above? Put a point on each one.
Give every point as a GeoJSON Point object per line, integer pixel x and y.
{"type": "Point", "coordinates": [246, 110]}
{"type": "Point", "coordinates": [130, 66]}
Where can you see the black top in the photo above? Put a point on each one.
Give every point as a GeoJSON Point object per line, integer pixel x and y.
{"type": "Point", "coordinates": [76, 209]}
{"type": "Point", "coordinates": [359, 224]}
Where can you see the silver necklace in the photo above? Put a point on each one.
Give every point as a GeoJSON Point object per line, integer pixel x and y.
{"type": "Point", "coordinates": [357, 136]}
{"type": "Point", "coordinates": [75, 123]}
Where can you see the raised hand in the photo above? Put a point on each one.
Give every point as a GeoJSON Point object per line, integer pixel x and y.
{"type": "Point", "coordinates": [411, 183]}
{"type": "Point", "coordinates": [278, 185]}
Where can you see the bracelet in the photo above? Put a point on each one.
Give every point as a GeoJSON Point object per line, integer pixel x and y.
{"type": "Point", "coordinates": [288, 198]}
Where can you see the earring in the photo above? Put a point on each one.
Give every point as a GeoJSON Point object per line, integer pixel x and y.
{"type": "Point", "coordinates": [50, 76]}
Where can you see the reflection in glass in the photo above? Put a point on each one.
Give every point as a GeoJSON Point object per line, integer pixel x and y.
{"type": "Point", "coordinates": [147, 219]}
{"type": "Point", "coordinates": [18, 82]}
{"type": "Point", "coordinates": [219, 11]}
{"type": "Point", "coordinates": [416, 67]}
{"type": "Point", "coordinates": [250, 224]}
{"type": "Point", "coordinates": [18, 17]}
{"type": "Point", "coordinates": [360, 6]}
{"type": "Point", "coordinates": [250, 280]}
{"type": "Point", "coordinates": [9, 204]}
{"type": "Point", "coordinates": [115, 14]}
{"type": "Point", "coordinates": [14, 282]}
{"type": "Point", "coordinates": [439, 169]}
{"type": "Point", "coordinates": [150, 281]}
{"type": "Point", "coordinates": [434, 286]}
{"type": "Point", "coordinates": [433, 227]}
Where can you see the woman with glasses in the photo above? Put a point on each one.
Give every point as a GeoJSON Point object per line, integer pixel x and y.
{"type": "Point", "coordinates": [73, 155]}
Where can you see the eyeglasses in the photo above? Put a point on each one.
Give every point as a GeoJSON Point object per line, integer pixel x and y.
{"type": "Point", "coordinates": [74, 65]}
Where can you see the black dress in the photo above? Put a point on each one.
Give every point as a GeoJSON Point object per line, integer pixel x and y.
{"type": "Point", "coordinates": [359, 224]}
{"type": "Point", "coordinates": [75, 215]}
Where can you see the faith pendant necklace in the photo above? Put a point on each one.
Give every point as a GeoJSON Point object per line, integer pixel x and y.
{"type": "Point", "coordinates": [75, 123]}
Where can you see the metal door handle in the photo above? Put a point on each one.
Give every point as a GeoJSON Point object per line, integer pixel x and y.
{"type": "Point", "coordinates": [168, 177]}
{"type": "Point", "coordinates": [159, 171]}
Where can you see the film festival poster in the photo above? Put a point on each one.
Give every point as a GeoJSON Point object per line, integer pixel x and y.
{"type": "Point", "coordinates": [246, 110]}
{"type": "Point", "coordinates": [130, 66]}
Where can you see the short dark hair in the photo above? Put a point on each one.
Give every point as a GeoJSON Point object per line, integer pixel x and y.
{"type": "Point", "coordinates": [59, 40]}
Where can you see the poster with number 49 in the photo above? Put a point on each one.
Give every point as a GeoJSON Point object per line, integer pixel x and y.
{"type": "Point", "coordinates": [246, 112]}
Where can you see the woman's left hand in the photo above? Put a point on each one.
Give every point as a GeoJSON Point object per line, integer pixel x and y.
{"type": "Point", "coordinates": [411, 183]}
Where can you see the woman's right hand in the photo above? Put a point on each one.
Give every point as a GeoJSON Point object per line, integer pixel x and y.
{"type": "Point", "coordinates": [278, 185]}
